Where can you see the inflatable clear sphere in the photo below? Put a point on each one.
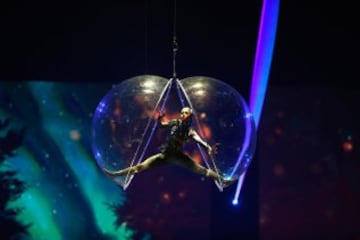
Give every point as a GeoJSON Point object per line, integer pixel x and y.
{"type": "Point", "coordinates": [125, 132]}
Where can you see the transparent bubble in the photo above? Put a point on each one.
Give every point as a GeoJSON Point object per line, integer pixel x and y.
{"type": "Point", "coordinates": [125, 132]}
{"type": "Point", "coordinates": [121, 118]}
{"type": "Point", "coordinates": [223, 117]}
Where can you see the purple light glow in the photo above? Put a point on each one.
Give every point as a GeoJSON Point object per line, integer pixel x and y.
{"type": "Point", "coordinates": [263, 57]}
{"type": "Point", "coordinates": [262, 64]}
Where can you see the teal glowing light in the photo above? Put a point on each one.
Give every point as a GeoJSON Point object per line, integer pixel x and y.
{"type": "Point", "coordinates": [64, 184]}
{"type": "Point", "coordinates": [37, 211]}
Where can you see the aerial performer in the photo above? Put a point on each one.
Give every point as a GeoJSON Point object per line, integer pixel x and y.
{"type": "Point", "coordinates": [172, 150]}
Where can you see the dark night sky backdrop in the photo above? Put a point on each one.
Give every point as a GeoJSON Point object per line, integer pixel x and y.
{"type": "Point", "coordinates": [316, 48]}
{"type": "Point", "coordinates": [315, 44]}
{"type": "Point", "coordinates": [309, 177]}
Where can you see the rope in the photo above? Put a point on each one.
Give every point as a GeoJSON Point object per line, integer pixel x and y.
{"type": "Point", "coordinates": [146, 37]}
{"type": "Point", "coordinates": [175, 44]}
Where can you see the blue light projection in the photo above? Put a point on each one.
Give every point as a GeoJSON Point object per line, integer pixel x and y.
{"type": "Point", "coordinates": [262, 64]}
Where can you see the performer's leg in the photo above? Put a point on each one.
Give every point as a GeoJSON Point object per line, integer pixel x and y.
{"type": "Point", "coordinates": [153, 161]}
{"type": "Point", "coordinates": [185, 161]}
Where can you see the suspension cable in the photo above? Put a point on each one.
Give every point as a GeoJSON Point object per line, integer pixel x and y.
{"type": "Point", "coordinates": [146, 36]}
{"type": "Point", "coordinates": [175, 44]}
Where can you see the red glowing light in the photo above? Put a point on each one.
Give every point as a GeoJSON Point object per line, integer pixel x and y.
{"type": "Point", "coordinates": [207, 131]}
{"type": "Point", "coordinates": [182, 194]}
{"type": "Point", "coordinates": [166, 197]}
{"type": "Point", "coordinates": [279, 131]}
{"type": "Point", "coordinates": [348, 146]}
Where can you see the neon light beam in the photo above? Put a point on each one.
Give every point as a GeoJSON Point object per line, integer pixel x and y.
{"type": "Point", "coordinates": [262, 64]}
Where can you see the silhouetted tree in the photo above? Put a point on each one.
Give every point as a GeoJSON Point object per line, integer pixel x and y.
{"type": "Point", "coordinates": [11, 188]}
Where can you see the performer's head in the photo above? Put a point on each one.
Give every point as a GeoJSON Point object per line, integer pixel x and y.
{"type": "Point", "coordinates": [186, 113]}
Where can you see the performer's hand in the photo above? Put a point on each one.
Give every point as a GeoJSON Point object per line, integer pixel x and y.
{"type": "Point", "coordinates": [161, 115]}
{"type": "Point", "coordinates": [213, 150]}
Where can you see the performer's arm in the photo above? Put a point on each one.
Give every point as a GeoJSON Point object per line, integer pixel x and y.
{"type": "Point", "coordinates": [161, 122]}
{"type": "Point", "coordinates": [198, 139]}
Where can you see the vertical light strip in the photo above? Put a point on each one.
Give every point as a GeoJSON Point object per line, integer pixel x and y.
{"type": "Point", "coordinates": [262, 64]}
{"type": "Point", "coordinates": [264, 52]}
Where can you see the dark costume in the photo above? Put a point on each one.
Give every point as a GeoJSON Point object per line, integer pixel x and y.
{"type": "Point", "coordinates": [179, 133]}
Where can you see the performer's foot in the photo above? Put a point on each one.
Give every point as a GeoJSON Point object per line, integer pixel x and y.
{"type": "Point", "coordinates": [228, 181]}
{"type": "Point", "coordinates": [109, 173]}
